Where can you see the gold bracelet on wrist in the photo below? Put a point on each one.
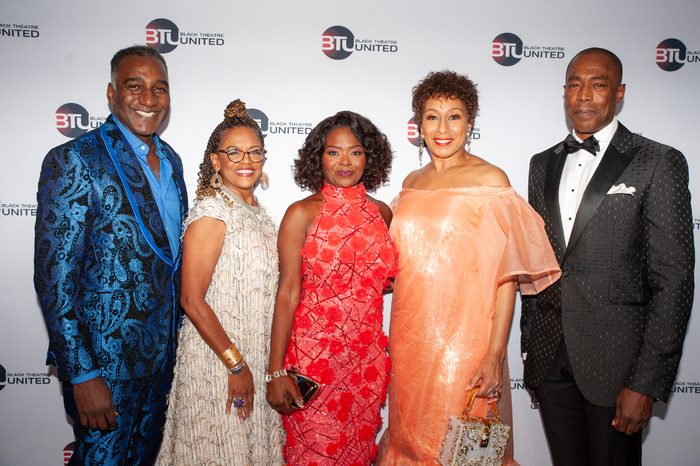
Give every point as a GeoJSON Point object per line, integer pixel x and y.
{"type": "Point", "coordinates": [231, 357]}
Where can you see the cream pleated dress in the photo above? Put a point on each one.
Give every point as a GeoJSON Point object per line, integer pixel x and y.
{"type": "Point", "coordinates": [242, 294]}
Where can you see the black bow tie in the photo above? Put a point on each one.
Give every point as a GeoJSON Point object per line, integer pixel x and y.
{"type": "Point", "coordinates": [590, 144]}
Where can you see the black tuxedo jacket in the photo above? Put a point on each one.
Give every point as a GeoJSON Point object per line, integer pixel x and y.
{"type": "Point", "coordinates": [626, 291]}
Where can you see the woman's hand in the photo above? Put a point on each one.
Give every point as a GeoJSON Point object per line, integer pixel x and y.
{"type": "Point", "coordinates": [241, 386]}
{"type": "Point", "coordinates": [281, 391]}
{"type": "Point", "coordinates": [489, 373]}
{"type": "Point", "coordinates": [489, 376]}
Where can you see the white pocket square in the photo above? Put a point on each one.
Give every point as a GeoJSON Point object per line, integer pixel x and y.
{"type": "Point", "coordinates": [622, 189]}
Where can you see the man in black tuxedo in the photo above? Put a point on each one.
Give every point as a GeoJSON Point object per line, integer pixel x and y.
{"type": "Point", "coordinates": [604, 342]}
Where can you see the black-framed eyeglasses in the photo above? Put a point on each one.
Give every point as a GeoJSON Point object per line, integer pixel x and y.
{"type": "Point", "coordinates": [237, 155]}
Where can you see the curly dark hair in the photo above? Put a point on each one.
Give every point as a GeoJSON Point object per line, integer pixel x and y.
{"type": "Point", "coordinates": [235, 115]}
{"type": "Point", "coordinates": [445, 84]}
{"type": "Point", "coordinates": [308, 168]}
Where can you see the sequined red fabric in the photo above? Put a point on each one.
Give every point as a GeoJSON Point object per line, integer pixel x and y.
{"type": "Point", "coordinates": [337, 337]}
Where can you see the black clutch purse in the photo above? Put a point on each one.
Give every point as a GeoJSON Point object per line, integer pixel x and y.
{"type": "Point", "coordinates": [308, 387]}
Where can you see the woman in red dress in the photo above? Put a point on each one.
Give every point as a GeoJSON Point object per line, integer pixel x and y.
{"type": "Point", "coordinates": [336, 259]}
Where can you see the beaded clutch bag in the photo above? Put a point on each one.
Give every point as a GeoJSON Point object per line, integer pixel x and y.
{"type": "Point", "coordinates": [474, 441]}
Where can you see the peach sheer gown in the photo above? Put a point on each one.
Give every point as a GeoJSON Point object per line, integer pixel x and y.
{"type": "Point", "coordinates": [455, 246]}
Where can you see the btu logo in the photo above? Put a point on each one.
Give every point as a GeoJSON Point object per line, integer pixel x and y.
{"type": "Point", "coordinates": [162, 35]}
{"type": "Point", "coordinates": [72, 120]}
{"type": "Point", "coordinates": [337, 42]}
{"type": "Point", "coordinates": [261, 119]}
{"type": "Point", "coordinates": [3, 377]}
{"type": "Point", "coordinates": [507, 49]}
{"type": "Point", "coordinates": [671, 55]}
{"type": "Point", "coordinates": [68, 452]}
{"type": "Point", "coordinates": [412, 132]}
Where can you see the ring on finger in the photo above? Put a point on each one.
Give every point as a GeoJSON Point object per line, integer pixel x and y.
{"type": "Point", "coordinates": [496, 394]}
{"type": "Point", "coordinates": [237, 402]}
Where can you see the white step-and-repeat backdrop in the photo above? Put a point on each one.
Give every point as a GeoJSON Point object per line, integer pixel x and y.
{"type": "Point", "coordinates": [295, 63]}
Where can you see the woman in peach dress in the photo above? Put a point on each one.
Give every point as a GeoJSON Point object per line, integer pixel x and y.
{"type": "Point", "coordinates": [465, 240]}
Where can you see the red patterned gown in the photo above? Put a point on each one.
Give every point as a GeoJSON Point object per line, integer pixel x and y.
{"type": "Point", "coordinates": [337, 337]}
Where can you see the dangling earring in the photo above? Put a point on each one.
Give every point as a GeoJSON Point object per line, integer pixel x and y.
{"type": "Point", "coordinates": [216, 180]}
{"type": "Point", "coordinates": [264, 181]}
{"type": "Point", "coordinates": [469, 143]}
{"type": "Point", "coordinates": [421, 145]}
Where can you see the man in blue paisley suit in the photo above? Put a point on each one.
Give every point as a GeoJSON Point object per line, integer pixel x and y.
{"type": "Point", "coordinates": [106, 266]}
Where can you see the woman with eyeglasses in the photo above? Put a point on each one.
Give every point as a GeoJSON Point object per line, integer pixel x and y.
{"type": "Point", "coordinates": [217, 412]}
{"type": "Point", "coordinates": [336, 259]}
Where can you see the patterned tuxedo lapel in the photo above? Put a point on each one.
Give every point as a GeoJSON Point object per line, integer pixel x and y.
{"type": "Point", "coordinates": [615, 160]}
{"type": "Point", "coordinates": [143, 201]}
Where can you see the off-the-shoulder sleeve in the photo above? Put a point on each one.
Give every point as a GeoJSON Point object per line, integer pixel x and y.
{"type": "Point", "coordinates": [394, 202]}
{"type": "Point", "coordinates": [511, 241]}
{"type": "Point", "coordinates": [208, 207]}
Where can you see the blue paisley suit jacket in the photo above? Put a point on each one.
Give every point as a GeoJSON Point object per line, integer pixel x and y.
{"type": "Point", "coordinates": [107, 283]}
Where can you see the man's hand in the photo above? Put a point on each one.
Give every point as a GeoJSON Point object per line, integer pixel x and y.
{"type": "Point", "coordinates": [632, 412]}
{"type": "Point", "coordinates": [93, 400]}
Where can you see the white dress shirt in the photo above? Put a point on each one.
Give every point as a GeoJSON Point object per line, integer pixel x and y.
{"type": "Point", "coordinates": [577, 173]}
